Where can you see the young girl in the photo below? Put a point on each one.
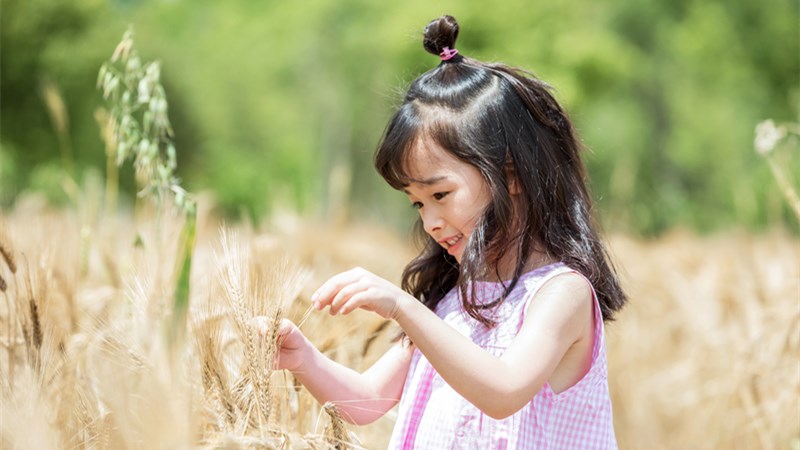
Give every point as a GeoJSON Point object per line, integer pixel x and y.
{"type": "Point", "coordinates": [504, 307]}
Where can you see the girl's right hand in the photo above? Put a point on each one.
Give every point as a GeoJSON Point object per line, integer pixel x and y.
{"type": "Point", "coordinates": [291, 342]}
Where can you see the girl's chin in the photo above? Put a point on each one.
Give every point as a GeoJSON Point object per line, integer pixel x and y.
{"type": "Point", "coordinates": [457, 250]}
{"type": "Point", "coordinates": [456, 255]}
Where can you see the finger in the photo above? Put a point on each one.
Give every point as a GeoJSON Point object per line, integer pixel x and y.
{"type": "Point", "coordinates": [260, 324]}
{"type": "Point", "coordinates": [361, 299]}
{"type": "Point", "coordinates": [344, 295]}
{"type": "Point", "coordinates": [386, 307]}
{"type": "Point", "coordinates": [285, 327]}
{"type": "Point", "coordinates": [353, 302]}
{"type": "Point", "coordinates": [325, 294]}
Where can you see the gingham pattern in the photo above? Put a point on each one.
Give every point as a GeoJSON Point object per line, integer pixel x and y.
{"type": "Point", "coordinates": [433, 416]}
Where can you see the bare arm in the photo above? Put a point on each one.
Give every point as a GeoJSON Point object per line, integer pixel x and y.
{"type": "Point", "coordinates": [361, 398]}
{"type": "Point", "coordinates": [552, 324]}
{"type": "Point", "coordinates": [498, 386]}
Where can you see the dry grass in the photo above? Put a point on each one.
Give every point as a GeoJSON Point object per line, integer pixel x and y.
{"type": "Point", "coordinates": [707, 354]}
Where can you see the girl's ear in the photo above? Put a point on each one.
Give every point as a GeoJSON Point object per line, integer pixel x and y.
{"type": "Point", "coordinates": [511, 177]}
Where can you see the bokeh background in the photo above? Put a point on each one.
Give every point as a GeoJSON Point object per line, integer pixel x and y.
{"type": "Point", "coordinates": [271, 101]}
{"type": "Point", "coordinates": [277, 108]}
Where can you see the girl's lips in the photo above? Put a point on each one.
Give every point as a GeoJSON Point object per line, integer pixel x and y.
{"type": "Point", "coordinates": [452, 243]}
{"type": "Point", "coordinates": [451, 250]}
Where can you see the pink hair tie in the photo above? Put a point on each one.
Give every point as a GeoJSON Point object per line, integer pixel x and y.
{"type": "Point", "coordinates": [448, 54]}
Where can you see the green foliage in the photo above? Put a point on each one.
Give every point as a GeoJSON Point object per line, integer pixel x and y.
{"type": "Point", "coordinates": [139, 129]}
{"type": "Point", "coordinates": [58, 41]}
{"type": "Point", "coordinates": [138, 124]}
{"type": "Point", "coordinates": [268, 98]}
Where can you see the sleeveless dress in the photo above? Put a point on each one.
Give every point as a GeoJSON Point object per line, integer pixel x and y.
{"type": "Point", "coordinates": [433, 416]}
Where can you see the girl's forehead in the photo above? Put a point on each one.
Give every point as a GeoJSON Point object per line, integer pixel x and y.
{"type": "Point", "coordinates": [426, 157]}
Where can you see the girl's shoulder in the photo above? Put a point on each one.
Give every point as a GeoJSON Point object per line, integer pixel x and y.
{"type": "Point", "coordinates": [526, 286]}
{"type": "Point", "coordinates": [553, 280]}
{"type": "Point", "coordinates": [555, 273]}
{"type": "Point", "coordinates": [546, 271]}
{"type": "Point", "coordinates": [557, 279]}
{"type": "Point", "coordinates": [559, 287]}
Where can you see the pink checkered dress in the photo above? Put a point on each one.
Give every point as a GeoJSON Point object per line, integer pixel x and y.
{"type": "Point", "coordinates": [433, 416]}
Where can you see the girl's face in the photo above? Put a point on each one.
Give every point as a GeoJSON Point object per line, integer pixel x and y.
{"type": "Point", "coordinates": [449, 194]}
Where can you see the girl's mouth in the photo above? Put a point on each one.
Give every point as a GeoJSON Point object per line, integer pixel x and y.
{"type": "Point", "coordinates": [451, 243]}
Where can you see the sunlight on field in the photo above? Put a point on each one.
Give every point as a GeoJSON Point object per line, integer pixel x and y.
{"type": "Point", "coordinates": [705, 355]}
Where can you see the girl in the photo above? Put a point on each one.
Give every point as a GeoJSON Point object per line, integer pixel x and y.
{"type": "Point", "coordinates": [504, 307]}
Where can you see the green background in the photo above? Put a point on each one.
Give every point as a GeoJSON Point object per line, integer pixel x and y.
{"type": "Point", "coordinates": [273, 102]}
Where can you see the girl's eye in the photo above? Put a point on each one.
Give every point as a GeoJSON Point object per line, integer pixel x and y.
{"type": "Point", "coordinates": [416, 205]}
{"type": "Point", "coordinates": [440, 195]}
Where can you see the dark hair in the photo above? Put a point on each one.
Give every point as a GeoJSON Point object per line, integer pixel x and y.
{"type": "Point", "coordinates": [496, 118]}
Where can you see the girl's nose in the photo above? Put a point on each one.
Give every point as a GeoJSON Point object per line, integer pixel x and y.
{"type": "Point", "coordinates": [432, 222]}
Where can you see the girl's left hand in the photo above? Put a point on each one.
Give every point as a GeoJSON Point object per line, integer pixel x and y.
{"type": "Point", "coordinates": [359, 288]}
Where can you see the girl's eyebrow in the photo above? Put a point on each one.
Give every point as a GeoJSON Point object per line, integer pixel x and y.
{"type": "Point", "coordinates": [425, 181]}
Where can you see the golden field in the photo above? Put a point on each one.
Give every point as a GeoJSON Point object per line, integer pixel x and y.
{"type": "Point", "coordinates": [705, 356]}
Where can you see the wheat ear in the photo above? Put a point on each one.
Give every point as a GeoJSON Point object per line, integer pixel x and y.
{"type": "Point", "coordinates": [338, 436]}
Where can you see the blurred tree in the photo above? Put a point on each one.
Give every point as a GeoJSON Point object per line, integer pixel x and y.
{"type": "Point", "coordinates": [277, 104]}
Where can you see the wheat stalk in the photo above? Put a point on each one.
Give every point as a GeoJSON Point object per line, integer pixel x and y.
{"type": "Point", "coordinates": [337, 435]}
{"type": "Point", "coordinates": [6, 252]}
{"type": "Point", "coordinates": [767, 137]}
{"type": "Point", "coordinates": [237, 284]}
{"type": "Point", "coordinates": [213, 373]}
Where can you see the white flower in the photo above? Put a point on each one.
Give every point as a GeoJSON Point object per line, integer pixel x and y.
{"type": "Point", "coordinates": [767, 136]}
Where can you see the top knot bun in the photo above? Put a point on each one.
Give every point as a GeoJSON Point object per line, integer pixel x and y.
{"type": "Point", "coordinates": [440, 33]}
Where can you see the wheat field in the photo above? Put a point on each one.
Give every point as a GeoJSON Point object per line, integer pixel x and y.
{"type": "Point", "coordinates": [705, 356]}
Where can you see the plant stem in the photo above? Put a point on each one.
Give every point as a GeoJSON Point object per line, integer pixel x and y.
{"type": "Point", "coordinates": [786, 187]}
{"type": "Point", "coordinates": [181, 300]}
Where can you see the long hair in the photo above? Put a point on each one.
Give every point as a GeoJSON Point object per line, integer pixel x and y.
{"type": "Point", "coordinates": [497, 118]}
